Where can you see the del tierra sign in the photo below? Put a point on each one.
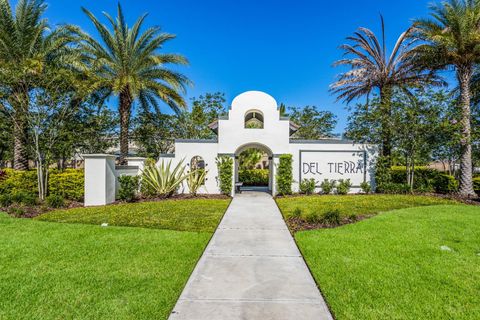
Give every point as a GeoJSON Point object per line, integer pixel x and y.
{"type": "Point", "coordinates": [335, 165]}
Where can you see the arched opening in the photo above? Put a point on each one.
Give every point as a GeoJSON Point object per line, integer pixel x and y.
{"type": "Point", "coordinates": [253, 164]}
{"type": "Point", "coordinates": [197, 163]}
{"type": "Point", "coordinates": [254, 119]}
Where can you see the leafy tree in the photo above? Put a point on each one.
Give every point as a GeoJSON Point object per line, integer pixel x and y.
{"type": "Point", "coordinates": [28, 48]}
{"type": "Point", "coordinates": [6, 137]}
{"type": "Point", "coordinates": [249, 158]}
{"type": "Point", "coordinates": [452, 40]}
{"type": "Point", "coordinates": [155, 133]}
{"type": "Point", "coordinates": [127, 63]}
{"type": "Point", "coordinates": [373, 69]}
{"type": "Point", "coordinates": [314, 124]}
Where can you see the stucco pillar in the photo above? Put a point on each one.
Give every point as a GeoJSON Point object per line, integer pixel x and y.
{"type": "Point", "coordinates": [273, 170]}
{"type": "Point", "coordinates": [99, 179]}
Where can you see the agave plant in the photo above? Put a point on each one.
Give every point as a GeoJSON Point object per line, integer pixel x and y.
{"type": "Point", "coordinates": [164, 180]}
{"type": "Point", "coordinates": [195, 180]}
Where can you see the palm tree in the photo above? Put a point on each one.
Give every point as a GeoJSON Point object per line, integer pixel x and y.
{"type": "Point", "coordinates": [27, 49]}
{"type": "Point", "coordinates": [127, 64]}
{"type": "Point", "coordinates": [452, 40]}
{"type": "Point", "coordinates": [372, 68]}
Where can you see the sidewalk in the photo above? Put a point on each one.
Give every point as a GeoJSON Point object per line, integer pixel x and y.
{"type": "Point", "coordinates": [251, 269]}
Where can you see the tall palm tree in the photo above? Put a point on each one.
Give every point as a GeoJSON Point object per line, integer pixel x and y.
{"type": "Point", "coordinates": [373, 69]}
{"type": "Point", "coordinates": [28, 47]}
{"type": "Point", "coordinates": [452, 40]}
{"type": "Point", "coordinates": [126, 63]}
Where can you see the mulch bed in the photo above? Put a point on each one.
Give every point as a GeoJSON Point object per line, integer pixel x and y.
{"type": "Point", "coordinates": [296, 224]}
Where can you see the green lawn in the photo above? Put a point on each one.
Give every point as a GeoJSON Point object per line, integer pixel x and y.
{"type": "Point", "coordinates": [184, 215]}
{"type": "Point", "coordinates": [354, 204]}
{"type": "Point", "coordinates": [78, 271]}
{"type": "Point", "coordinates": [391, 266]}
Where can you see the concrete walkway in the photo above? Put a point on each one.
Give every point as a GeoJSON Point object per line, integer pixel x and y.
{"type": "Point", "coordinates": [251, 269]}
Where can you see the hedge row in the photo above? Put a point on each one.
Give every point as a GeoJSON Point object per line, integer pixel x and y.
{"type": "Point", "coordinates": [68, 183]}
{"type": "Point", "coordinates": [424, 180]}
{"type": "Point", "coordinates": [476, 185]}
{"type": "Point", "coordinates": [254, 177]}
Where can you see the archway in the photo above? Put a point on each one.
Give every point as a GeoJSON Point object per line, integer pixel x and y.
{"type": "Point", "coordinates": [253, 168]}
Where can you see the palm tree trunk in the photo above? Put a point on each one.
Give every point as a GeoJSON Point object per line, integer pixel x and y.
{"type": "Point", "coordinates": [19, 102]}
{"type": "Point", "coordinates": [125, 107]}
{"type": "Point", "coordinates": [386, 113]}
{"type": "Point", "coordinates": [464, 75]}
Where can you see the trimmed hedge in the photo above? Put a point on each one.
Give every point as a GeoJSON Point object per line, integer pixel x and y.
{"type": "Point", "coordinates": [285, 175]}
{"type": "Point", "coordinates": [68, 184]}
{"type": "Point", "coordinates": [254, 177]}
{"type": "Point", "coordinates": [476, 185]}
{"type": "Point", "coordinates": [424, 180]}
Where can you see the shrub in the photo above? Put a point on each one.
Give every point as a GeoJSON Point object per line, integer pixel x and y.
{"type": "Point", "coordinates": [16, 211]}
{"type": "Point", "coordinates": [445, 183]}
{"type": "Point", "coordinates": [331, 217]}
{"type": "Point", "coordinates": [68, 183]}
{"type": "Point", "coordinates": [297, 212]}
{"type": "Point", "coordinates": [382, 173]}
{"type": "Point", "coordinates": [476, 185]}
{"type": "Point", "coordinates": [312, 217]}
{"type": "Point", "coordinates": [5, 200]}
{"type": "Point", "coordinates": [395, 188]}
{"type": "Point", "coordinates": [25, 198]}
{"type": "Point", "coordinates": [15, 181]}
{"type": "Point", "coordinates": [307, 186]}
{"type": "Point", "coordinates": [128, 188]}
{"type": "Point", "coordinates": [285, 175]}
{"type": "Point", "coordinates": [163, 180]}
{"type": "Point", "coordinates": [366, 188]}
{"type": "Point", "coordinates": [225, 174]}
{"type": "Point", "coordinates": [344, 186]}
{"type": "Point", "coordinates": [327, 186]}
{"type": "Point", "coordinates": [254, 177]}
{"type": "Point", "coordinates": [195, 180]}
{"type": "Point", "coordinates": [55, 201]}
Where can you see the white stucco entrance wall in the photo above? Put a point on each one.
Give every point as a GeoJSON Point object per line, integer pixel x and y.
{"type": "Point", "coordinates": [319, 159]}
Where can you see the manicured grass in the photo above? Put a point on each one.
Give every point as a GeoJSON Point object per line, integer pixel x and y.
{"type": "Point", "coordinates": [354, 204]}
{"type": "Point", "coordinates": [392, 267]}
{"type": "Point", "coordinates": [183, 215]}
{"type": "Point", "coordinates": [73, 271]}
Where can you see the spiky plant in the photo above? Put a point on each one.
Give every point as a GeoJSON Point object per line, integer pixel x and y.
{"type": "Point", "coordinates": [127, 63]}
{"type": "Point", "coordinates": [195, 180]}
{"type": "Point", "coordinates": [28, 48]}
{"type": "Point", "coordinates": [451, 39]}
{"type": "Point", "coordinates": [373, 69]}
{"type": "Point", "coordinates": [164, 180]}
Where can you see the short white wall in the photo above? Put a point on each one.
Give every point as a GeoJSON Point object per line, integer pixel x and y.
{"type": "Point", "coordinates": [99, 179]}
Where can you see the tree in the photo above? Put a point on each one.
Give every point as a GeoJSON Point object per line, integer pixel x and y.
{"type": "Point", "coordinates": [28, 47]}
{"type": "Point", "coordinates": [452, 39]}
{"type": "Point", "coordinates": [155, 133]}
{"type": "Point", "coordinates": [249, 158]}
{"type": "Point", "coordinates": [314, 124]}
{"type": "Point", "coordinates": [372, 68]}
{"type": "Point", "coordinates": [6, 137]}
{"type": "Point", "coordinates": [127, 63]}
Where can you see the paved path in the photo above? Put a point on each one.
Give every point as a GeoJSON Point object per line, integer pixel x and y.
{"type": "Point", "coordinates": [251, 270]}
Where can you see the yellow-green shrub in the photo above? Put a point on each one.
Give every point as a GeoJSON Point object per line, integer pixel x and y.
{"type": "Point", "coordinates": [69, 184]}
{"type": "Point", "coordinates": [16, 181]}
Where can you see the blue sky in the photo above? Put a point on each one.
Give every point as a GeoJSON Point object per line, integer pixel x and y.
{"type": "Point", "coordinates": [285, 48]}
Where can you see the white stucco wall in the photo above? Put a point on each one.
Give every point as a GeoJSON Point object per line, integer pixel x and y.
{"type": "Point", "coordinates": [208, 151]}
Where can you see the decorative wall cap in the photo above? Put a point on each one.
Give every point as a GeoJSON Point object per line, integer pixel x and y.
{"type": "Point", "coordinates": [126, 167]}
{"type": "Point", "coordinates": [99, 156]}
{"type": "Point", "coordinates": [196, 141]}
{"type": "Point", "coordinates": [167, 155]}
{"type": "Point", "coordinates": [135, 158]}
{"type": "Point", "coordinates": [322, 141]}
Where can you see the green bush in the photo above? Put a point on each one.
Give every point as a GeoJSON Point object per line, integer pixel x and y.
{"type": "Point", "coordinates": [15, 181]}
{"type": "Point", "coordinates": [313, 217]}
{"type": "Point", "coordinates": [476, 185]}
{"type": "Point", "coordinates": [128, 187]}
{"type": "Point", "coordinates": [25, 198]}
{"type": "Point", "coordinates": [328, 186]}
{"type": "Point", "coordinates": [445, 183]}
{"type": "Point", "coordinates": [395, 188]}
{"type": "Point", "coordinates": [68, 183]}
{"type": "Point", "coordinates": [331, 218]}
{"type": "Point", "coordinates": [382, 173]}
{"type": "Point", "coordinates": [366, 188]}
{"type": "Point", "coordinates": [307, 186]}
{"type": "Point", "coordinates": [55, 201]}
{"type": "Point", "coordinates": [285, 175]}
{"type": "Point", "coordinates": [5, 200]}
{"type": "Point", "coordinates": [225, 174]}
{"type": "Point", "coordinates": [254, 177]}
{"type": "Point", "coordinates": [297, 212]}
{"type": "Point", "coordinates": [344, 186]}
